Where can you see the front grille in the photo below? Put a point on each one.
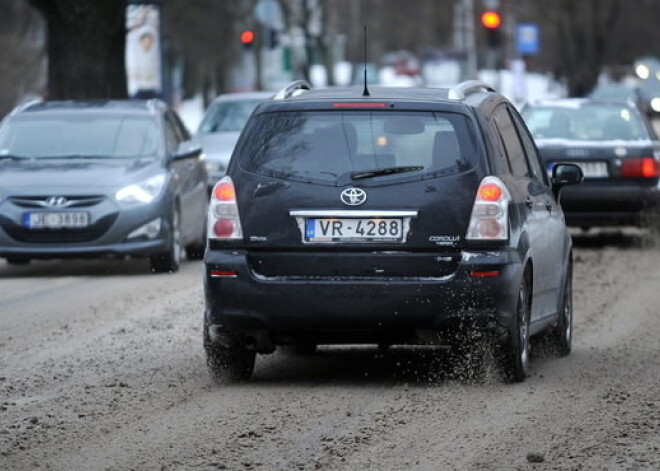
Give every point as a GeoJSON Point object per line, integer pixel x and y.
{"type": "Point", "coordinates": [41, 202]}
{"type": "Point", "coordinates": [58, 236]}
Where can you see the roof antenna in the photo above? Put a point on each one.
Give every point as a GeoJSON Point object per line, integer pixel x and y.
{"type": "Point", "coordinates": [365, 92]}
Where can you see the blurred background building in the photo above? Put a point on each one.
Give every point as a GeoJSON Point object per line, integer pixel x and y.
{"type": "Point", "coordinates": [530, 48]}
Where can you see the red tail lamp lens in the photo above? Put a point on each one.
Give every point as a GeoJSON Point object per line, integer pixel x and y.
{"type": "Point", "coordinates": [485, 274]}
{"type": "Point", "coordinates": [223, 227]}
{"type": "Point", "coordinates": [646, 167]}
{"type": "Point", "coordinates": [359, 105]}
{"type": "Point", "coordinates": [225, 192]}
{"type": "Point", "coordinates": [490, 192]}
{"type": "Point", "coordinates": [649, 167]}
{"type": "Point", "coordinates": [223, 274]}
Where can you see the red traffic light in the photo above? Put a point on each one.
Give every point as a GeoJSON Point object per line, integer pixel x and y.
{"type": "Point", "coordinates": [247, 36]}
{"type": "Point", "coordinates": [491, 19]}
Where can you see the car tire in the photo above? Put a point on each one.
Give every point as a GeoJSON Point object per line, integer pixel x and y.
{"type": "Point", "coordinates": [305, 349]}
{"type": "Point", "coordinates": [170, 260]}
{"type": "Point", "coordinates": [562, 333]}
{"type": "Point", "coordinates": [517, 347]}
{"type": "Point", "coordinates": [17, 260]}
{"type": "Point", "coordinates": [195, 251]}
{"type": "Point", "coordinates": [228, 364]}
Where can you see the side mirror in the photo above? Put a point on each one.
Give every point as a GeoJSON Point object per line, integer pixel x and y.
{"type": "Point", "coordinates": [566, 174]}
{"type": "Point", "coordinates": [186, 150]}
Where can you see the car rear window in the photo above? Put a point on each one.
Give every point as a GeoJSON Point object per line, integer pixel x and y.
{"type": "Point", "coordinates": [321, 146]}
{"type": "Point", "coordinates": [54, 136]}
{"type": "Point", "coordinates": [586, 122]}
{"type": "Point", "coordinates": [227, 116]}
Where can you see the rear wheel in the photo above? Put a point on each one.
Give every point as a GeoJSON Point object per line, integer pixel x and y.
{"type": "Point", "coordinates": [562, 334]}
{"type": "Point", "coordinates": [195, 251]}
{"type": "Point", "coordinates": [169, 261]}
{"type": "Point", "coordinates": [13, 260]}
{"type": "Point", "coordinates": [305, 349]}
{"type": "Point", "coordinates": [517, 348]}
{"type": "Point", "coordinates": [233, 363]}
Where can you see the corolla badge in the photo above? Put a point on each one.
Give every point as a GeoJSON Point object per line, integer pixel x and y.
{"type": "Point", "coordinates": [353, 196]}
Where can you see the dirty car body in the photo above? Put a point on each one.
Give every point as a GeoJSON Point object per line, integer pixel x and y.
{"type": "Point", "coordinates": [398, 218]}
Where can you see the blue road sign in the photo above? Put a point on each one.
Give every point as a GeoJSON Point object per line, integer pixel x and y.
{"type": "Point", "coordinates": [527, 39]}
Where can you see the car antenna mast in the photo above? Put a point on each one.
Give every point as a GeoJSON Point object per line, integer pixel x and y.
{"type": "Point", "coordinates": [365, 92]}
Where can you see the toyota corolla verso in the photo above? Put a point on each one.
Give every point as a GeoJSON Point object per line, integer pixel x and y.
{"type": "Point", "coordinates": [400, 217]}
{"type": "Point", "coordinates": [91, 179]}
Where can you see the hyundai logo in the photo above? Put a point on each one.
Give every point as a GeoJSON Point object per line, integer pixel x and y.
{"type": "Point", "coordinates": [353, 196]}
{"type": "Point", "coordinates": [57, 201]}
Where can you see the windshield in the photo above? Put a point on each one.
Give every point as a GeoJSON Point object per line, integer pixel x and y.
{"type": "Point", "coordinates": [228, 116]}
{"type": "Point", "coordinates": [321, 146]}
{"type": "Point", "coordinates": [614, 93]}
{"type": "Point", "coordinates": [588, 122]}
{"type": "Point", "coordinates": [79, 135]}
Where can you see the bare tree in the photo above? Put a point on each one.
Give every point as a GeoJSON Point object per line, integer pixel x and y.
{"type": "Point", "coordinates": [204, 35]}
{"type": "Point", "coordinates": [581, 39]}
{"type": "Point", "coordinates": [85, 41]}
{"type": "Point", "coordinates": [22, 58]}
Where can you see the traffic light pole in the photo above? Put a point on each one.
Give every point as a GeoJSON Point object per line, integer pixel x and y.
{"type": "Point", "coordinates": [464, 36]}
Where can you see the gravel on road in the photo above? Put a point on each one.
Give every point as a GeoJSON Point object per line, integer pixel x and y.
{"type": "Point", "coordinates": [102, 367]}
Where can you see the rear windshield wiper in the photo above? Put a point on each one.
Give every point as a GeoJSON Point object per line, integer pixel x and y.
{"type": "Point", "coordinates": [74, 156]}
{"type": "Point", "coordinates": [14, 157]}
{"type": "Point", "coordinates": [378, 172]}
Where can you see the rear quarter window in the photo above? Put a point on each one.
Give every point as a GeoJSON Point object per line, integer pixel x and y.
{"type": "Point", "coordinates": [321, 146]}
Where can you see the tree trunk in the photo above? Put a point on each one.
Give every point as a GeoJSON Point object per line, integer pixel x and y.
{"type": "Point", "coordinates": [86, 41]}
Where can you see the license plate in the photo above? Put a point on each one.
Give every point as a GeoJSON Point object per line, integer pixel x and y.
{"type": "Point", "coordinates": [354, 230]}
{"type": "Point", "coordinates": [59, 220]}
{"type": "Point", "coordinates": [589, 169]}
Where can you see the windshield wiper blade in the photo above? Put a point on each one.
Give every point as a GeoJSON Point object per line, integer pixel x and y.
{"type": "Point", "coordinates": [14, 157]}
{"type": "Point", "coordinates": [378, 172]}
{"type": "Point", "coordinates": [74, 156]}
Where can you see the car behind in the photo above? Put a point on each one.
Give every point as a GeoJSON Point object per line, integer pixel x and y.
{"type": "Point", "coordinates": [92, 179]}
{"type": "Point", "coordinates": [616, 147]}
{"type": "Point", "coordinates": [220, 127]}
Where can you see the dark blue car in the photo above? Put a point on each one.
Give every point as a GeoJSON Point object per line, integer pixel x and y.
{"type": "Point", "coordinates": [402, 217]}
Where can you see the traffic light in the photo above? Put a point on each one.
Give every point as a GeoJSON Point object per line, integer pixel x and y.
{"type": "Point", "coordinates": [492, 21]}
{"type": "Point", "coordinates": [273, 38]}
{"type": "Point", "coordinates": [247, 38]}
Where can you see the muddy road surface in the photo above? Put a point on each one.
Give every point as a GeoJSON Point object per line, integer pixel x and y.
{"type": "Point", "coordinates": [101, 367]}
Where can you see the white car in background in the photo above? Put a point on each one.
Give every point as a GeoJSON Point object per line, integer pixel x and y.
{"type": "Point", "coordinates": [220, 127]}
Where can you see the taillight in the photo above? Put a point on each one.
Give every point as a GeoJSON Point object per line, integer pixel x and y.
{"type": "Point", "coordinates": [644, 167]}
{"type": "Point", "coordinates": [490, 213]}
{"type": "Point", "coordinates": [224, 221]}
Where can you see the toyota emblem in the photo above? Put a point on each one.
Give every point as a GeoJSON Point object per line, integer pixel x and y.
{"type": "Point", "coordinates": [56, 201]}
{"type": "Point", "coordinates": [353, 196]}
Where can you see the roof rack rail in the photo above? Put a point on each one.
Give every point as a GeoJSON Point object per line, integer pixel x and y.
{"type": "Point", "coordinates": [26, 105]}
{"type": "Point", "coordinates": [293, 89]}
{"type": "Point", "coordinates": [458, 92]}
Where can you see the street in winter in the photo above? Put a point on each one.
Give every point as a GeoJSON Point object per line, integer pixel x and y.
{"type": "Point", "coordinates": [329, 235]}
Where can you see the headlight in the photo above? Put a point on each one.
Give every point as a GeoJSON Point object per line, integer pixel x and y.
{"type": "Point", "coordinates": [143, 192]}
{"type": "Point", "coordinates": [655, 104]}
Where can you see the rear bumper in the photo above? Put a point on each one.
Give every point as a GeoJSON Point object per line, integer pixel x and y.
{"type": "Point", "coordinates": [359, 309]}
{"type": "Point", "coordinates": [593, 204]}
